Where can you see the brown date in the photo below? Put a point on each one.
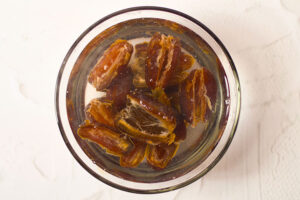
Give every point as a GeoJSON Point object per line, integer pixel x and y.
{"type": "Point", "coordinates": [211, 89]}
{"type": "Point", "coordinates": [147, 119]}
{"type": "Point", "coordinates": [135, 156]}
{"type": "Point", "coordinates": [160, 155]}
{"type": "Point", "coordinates": [138, 65]}
{"type": "Point", "coordinates": [162, 58]}
{"type": "Point", "coordinates": [185, 62]}
{"type": "Point", "coordinates": [107, 68]}
{"type": "Point", "coordinates": [180, 130]}
{"type": "Point", "coordinates": [119, 88]}
{"type": "Point", "coordinates": [100, 111]}
{"type": "Point", "coordinates": [111, 141]}
{"type": "Point", "coordinates": [193, 97]}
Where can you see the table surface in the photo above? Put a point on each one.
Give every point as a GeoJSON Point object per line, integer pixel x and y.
{"type": "Point", "coordinates": [263, 161]}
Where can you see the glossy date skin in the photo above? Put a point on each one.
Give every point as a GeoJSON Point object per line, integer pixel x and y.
{"type": "Point", "coordinates": [109, 65]}
{"type": "Point", "coordinates": [193, 97]}
{"type": "Point", "coordinates": [159, 156]}
{"type": "Point", "coordinates": [119, 88]}
{"type": "Point", "coordinates": [162, 58]}
{"type": "Point", "coordinates": [109, 140]}
{"type": "Point", "coordinates": [100, 111]}
{"type": "Point", "coordinates": [134, 157]}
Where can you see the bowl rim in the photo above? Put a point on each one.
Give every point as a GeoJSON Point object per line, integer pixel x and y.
{"type": "Point", "coordinates": [211, 165]}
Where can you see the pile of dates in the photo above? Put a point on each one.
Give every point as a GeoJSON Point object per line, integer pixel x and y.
{"type": "Point", "coordinates": [148, 103]}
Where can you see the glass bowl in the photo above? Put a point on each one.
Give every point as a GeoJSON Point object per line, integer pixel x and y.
{"type": "Point", "coordinates": [204, 145]}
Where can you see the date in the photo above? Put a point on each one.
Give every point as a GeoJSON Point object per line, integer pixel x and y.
{"type": "Point", "coordinates": [111, 141]}
{"type": "Point", "coordinates": [108, 66]}
{"type": "Point", "coordinates": [134, 157]}
{"type": "Point", "coordinates": [147, 120]}
{"type": "Point", "coordinates": [162, 58]}
{"type": "Point", "coordinates": [119, 88]}
{"type": "Point", "coordinates": [138, 66]}
{"type": "Point", "coordinates": [160, 155]}
{"type": "Point", "coordinates": [193, 97]}
{"type": "Point", "coordinates": [100, 111]}
{"type": "Point", "coordinates": [185, 62]}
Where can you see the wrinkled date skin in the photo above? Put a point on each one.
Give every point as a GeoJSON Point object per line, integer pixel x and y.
{"type": "Point", "coordinates": [107, 68]}
{"type": "Point", "coordinates": [119, 88]}
{"type": "Point", "coordinates": [193, 97]}
{"type": "Point", "coordinates": [160, 155]}
{"type": "Point", "coordinates": [134, 157]}
{"type": "Point", "coordinates": [106, 138]}
{"type": "Point", "coordinates": [100, 111]}
{"type": "Point", "coordinates": [147, 120]}
{"type": "Point", "coordinates": [162, 58]}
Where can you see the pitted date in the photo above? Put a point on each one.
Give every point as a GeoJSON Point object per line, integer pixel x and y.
{"type": "Point", "coordinates": [138, 65]}
{"type": "Point", "coordinates": [160, 155]}
{"type": "Point", "coordinates": [185, 62]}
{"type": "Point", "coordinates": [147, 120]}
{"type": "Point", "coordinates": [107, 68]}
{"type": "Point", "coordinates": [111, 141]}
{"type": "Point", "coordinates": [100, 111]}
{"type": "Point", "coordinates": [135, 156]}
{"type": "Point", "coordinates": [211, 90]}
{"type": "Point", "coordinates": [193, 97]}
{"type": "Point", "coordinates": [162, 58]}
{"type": "Point", "coordinates": [119, 88]}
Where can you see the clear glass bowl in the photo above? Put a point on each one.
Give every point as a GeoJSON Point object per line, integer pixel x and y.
{"type": "Point", "coordinates": [204, 146]}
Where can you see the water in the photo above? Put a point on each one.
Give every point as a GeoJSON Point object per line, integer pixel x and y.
{"type": "Point", "coordinates": [200, 141]}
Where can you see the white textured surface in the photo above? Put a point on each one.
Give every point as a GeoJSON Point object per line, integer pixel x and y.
{"type": "Point", "coordinates": [263, 38]}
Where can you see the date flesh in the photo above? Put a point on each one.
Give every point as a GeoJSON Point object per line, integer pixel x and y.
{"type": "Point", "coordinates": [107, 68]}
{"type": "Point", "coordinates": [185, 62]}
{"type": "Point", "coordinates": [147, 120]}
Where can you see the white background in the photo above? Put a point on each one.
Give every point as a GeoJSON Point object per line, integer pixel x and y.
{"type": "Point", "coordinates": [263, 37]}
